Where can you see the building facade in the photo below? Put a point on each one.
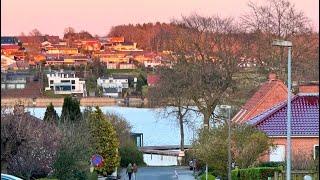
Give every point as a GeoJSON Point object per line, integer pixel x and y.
{"type": "Point", "coordinates": [65, 83]}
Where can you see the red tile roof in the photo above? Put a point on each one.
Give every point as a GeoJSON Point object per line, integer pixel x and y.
{"type": "Point", "coordinates": [11, 46]}
{"type": "Point", "coordinates": [263, 99]}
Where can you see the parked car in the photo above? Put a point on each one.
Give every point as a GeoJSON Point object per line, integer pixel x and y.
{"type": "Point", "coordinates": [9, 177]}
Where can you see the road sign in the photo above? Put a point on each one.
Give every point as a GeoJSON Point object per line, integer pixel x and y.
{"type": "Point", "coordinates": [97, 160]}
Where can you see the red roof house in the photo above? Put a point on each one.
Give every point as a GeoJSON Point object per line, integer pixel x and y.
{"type": "Point", "coordinates": [304, 127]}
{"type": "Point", "coordinates": [270, 93]}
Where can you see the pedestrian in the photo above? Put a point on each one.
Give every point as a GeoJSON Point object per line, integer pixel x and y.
{"type": "Point", "coordinates": [129, 170]}
{"type": "Point", "coordinates": [135, 170]}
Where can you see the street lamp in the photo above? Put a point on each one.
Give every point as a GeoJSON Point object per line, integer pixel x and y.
{"type": "Point", "coordinates": [229, 139]}
{"type": "Point", "coordinates": [287, 44]}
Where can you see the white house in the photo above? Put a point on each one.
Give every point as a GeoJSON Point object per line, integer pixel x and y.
{"type": "Point", "coordinates": [65, 83]}
{"type": "Point", "coordinates": [112, 86]}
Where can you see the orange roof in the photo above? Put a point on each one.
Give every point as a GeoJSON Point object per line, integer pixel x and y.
{"type": "Point", "coordinates": [269, 94]}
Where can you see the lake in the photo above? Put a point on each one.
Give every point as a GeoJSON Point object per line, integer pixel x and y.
{"type": "Point", "coordinates": [157, 131]}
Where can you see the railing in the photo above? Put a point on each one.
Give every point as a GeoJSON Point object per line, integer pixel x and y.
{"type": "Point", "coordinates": [297, 175]}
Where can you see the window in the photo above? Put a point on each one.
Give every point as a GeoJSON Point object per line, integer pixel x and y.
{"type": "Point", "coordinates": [277, 154]}
{"type": "Point", "coordinates": [11, 86]}
{"type": "Point", "coordinates": [73, 87]}
{"type": "Point", "coordinates": [65, 81]}
{"type": "Point", "coordinates": [316, 151]}
{"type": "Point", "coordinates": [20, 86]}
{"type": "Point", "coordinates": [3, 86]}
{"type": "Point", "coordinates": [73, 81]}
{"type": "Point", "coordinates": [51, 87]}
{"type": "Point", "coordinates": [51, 81]}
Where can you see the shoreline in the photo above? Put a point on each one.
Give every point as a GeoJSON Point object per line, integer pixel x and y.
{"type": "Point", "coordinates": [87, 101]}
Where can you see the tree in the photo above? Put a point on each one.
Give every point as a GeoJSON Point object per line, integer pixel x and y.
{"type": "Point", "coordinates": [279, 19]}
{"type": "Point", "coordinates": [35, 32]}
{"type": "Point", "coordinates": [211, 48]}
{"type": "Point", "coordinates": [51, 115]}
{"type": "Point", "coordinates": [74, 152]}
{"type": "Point", "coordinates": [25, 150]}
{"type": "Point", "coordinates": [105, 141]}
{"type": "Point", "coordinates": [170, 93]}
{"type": "Point", "coordinates": [247, 145]}
{"type": "Point", "coordinates": [122, 128]}
{"type": "Point", "coordinates": [70, 110]}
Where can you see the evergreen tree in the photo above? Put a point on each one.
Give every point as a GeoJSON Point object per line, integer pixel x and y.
{"type": "Point", "coordinates": [70, 110]}
{"type": "Point", "coordinates": [106, 142]}
{"type": "Point", "coordinates": [51, 115]}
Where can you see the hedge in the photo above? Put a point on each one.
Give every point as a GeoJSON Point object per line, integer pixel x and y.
{"type": "Point", "coordinates": [210, 177]}
{"type": "Point", "coordinates": [258, 173]}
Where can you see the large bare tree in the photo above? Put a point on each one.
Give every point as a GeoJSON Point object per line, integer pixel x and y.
{"type": "Point", "coordinates": [279, 19]}
{"type": "Point", "coordinates": [212, 47]}
{"type": "Point", "coordinates": [170, 94]}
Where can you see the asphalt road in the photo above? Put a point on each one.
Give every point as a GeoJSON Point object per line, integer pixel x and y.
{"type": "Point", "coordinates": [161, 173]}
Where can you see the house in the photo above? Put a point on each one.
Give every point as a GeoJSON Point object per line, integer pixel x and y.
{"type": "Point", "coordinates": [152, 79]}
{"type": "Point", "coordinates": [65, 83]}
{"type": "Point", "coordinates": [9, 49]}
{"type": "Point", "coordinates": [78, 59]}
{"type": "Point", "coordinates": [270, 93]}
{"type": "Point", "coordinates": [54, 59]}
{"type": "Point", "coordinates": [13, 81]}
{"type": "Point", "coordinates": [112, 85]}
{"type": "Point", "coordinates": [304, 125]}
{"type": "Point", "coordinates": [126, 46]}
{"type": "Point", "coordinates": [91, 45]}
{"type": "Point", "coordinates": [9, 40]}
{"type": "Point", "coordinates": [6, 62]}
{"type": "Point", "coordinates": [62, 50]}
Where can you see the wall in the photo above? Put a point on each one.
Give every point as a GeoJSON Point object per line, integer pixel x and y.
{"type": "Point", "coordinates": [160, 160]}
{"type": "Point", "coordinates": [300, 146]}
{"type": "Point", "coordinates": [43, 102]}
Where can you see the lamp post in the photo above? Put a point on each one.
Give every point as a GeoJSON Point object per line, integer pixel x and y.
{"type": "Point", "coordinates": [229, 139]}
{"type": "Point", "coordinates": [287, 44]}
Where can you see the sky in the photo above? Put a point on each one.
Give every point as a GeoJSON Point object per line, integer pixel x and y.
{"type": "Point", "coordinates": [98, 16]}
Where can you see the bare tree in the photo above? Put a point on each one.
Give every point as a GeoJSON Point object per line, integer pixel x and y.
{"type": "Point", "coordinates": [212, 48]}
{"type": "Point", "coordinates": [170, 95]}
{"type": "Point", "coordinates": [35, 32]}
{"type": "Point", "coordinates": [279, 19]}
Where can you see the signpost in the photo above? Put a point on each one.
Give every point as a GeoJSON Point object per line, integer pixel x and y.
{"type": "Point", "coordinates": [97, 160]}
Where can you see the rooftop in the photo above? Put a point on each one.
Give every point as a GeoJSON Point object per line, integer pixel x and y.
{"type": "Point", "coordinates": [305, 117]}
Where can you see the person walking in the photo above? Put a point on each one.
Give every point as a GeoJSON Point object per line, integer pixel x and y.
{"type": "Point", "coordinates": [135, 170]}
{"type": "Point", "coordinates": [129, 170]}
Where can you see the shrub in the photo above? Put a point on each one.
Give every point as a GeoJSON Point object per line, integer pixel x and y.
{"type": "Point", "coordinates": [74, 153]}
{"type": "Point", "coordinates": [105, 141]}
{"type": "Point", "coordinates": [210, 177]}
{"type": "Point", "coordinates": [271, 164]}
{"type": "Point", "coordinates": [259, 173]}
{"type": "Point", "coordinates": [131, 154]}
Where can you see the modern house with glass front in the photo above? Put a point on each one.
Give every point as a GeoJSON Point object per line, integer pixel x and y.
{"type": "Point", "coordinates": [66, 83]}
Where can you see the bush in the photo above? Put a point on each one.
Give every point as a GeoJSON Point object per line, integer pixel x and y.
{"type": "Point", "coordinates": [254, 173]}
{"type": "Point", "coordinates": [210, 177]}
{"type": "Point", "coordinates": [271, 164]}
{"type": "Point", "coordinates": [131, 154]}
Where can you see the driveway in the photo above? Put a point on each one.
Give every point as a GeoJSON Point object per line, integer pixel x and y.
{"type": "Point", "coordinates": [161, 173]}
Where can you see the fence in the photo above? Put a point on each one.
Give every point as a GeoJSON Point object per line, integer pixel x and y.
{"type": "Point", "coordinates": [297, 175]}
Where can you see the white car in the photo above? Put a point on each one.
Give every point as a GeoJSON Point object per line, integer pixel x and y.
{"type": "Point", "coordinates": [9, 177]}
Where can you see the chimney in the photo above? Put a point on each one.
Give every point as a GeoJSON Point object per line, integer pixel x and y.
{"type": "Point", "coordinates": [309, 88]}
{"type": "Point", "coordinates": [272, 77]}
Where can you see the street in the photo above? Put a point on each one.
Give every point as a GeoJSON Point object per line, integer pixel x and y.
{"type": "Point", "coordinates": [161, 173]}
